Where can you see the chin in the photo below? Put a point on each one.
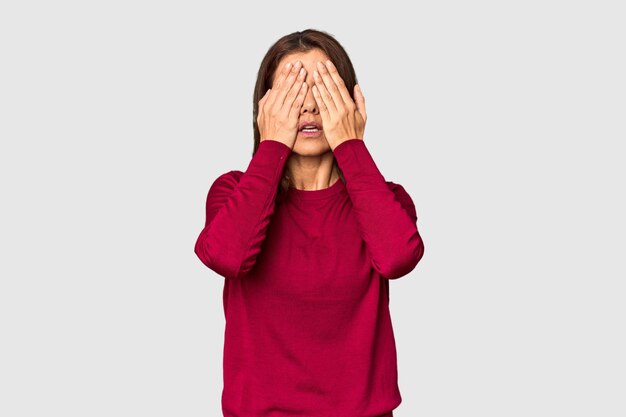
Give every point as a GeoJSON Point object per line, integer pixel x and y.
{"type": "Point", "coordinates": [311, 146]}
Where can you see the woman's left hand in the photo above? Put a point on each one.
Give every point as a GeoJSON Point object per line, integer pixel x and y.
{"type": "Point", "coordinates": [342, 118]}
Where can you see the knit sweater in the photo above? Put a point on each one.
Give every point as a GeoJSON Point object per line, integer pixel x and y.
{"type": "Point", "coordinates": [306, 274]}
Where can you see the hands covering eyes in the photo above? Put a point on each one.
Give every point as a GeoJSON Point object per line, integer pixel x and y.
{"type": "Point", "coordinates": [279, 109]}
{"type": "Point", "coordinates": [342, 117]}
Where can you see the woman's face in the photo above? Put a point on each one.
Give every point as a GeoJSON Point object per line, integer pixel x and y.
{"type": "Point", "coordinates": [308, 145]}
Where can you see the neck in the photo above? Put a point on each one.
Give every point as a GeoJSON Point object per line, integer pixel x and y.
{"type": "Point", "coordinates": [312, 173]}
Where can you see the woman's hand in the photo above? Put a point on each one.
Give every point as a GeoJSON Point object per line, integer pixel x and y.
{"type": "Point", "coordinates": [342, 118]}
{"type": "Point", "coordinates": [279, 109]}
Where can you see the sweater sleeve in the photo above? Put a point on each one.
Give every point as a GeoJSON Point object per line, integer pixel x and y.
{"type": "Point", "coordinates": [384, 212]}
{"type": "Point", "coordinates": [238, 210]}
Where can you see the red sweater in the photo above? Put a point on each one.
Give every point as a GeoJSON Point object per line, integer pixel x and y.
{"type": "Point", "coordinates": [306, 290]}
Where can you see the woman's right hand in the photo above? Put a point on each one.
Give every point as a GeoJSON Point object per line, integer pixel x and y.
{"type": "Point", "coordinates": [279, 109]}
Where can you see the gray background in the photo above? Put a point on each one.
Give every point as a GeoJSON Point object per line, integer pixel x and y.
{"type": "Point", "coordinates": [503, 121]}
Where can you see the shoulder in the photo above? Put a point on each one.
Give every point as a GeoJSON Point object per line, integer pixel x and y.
{"type": "Point", "coordinates": [403, 197]}
{"type": "Point", "coordinates": [397, 189]}
{"type": "Point", "coordinates": [224, 184]}
{"type": "Point", "coordinates": [228, 179]}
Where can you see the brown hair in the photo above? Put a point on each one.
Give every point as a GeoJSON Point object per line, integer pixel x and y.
{"type": "Point", "coordinates": [303, 41]}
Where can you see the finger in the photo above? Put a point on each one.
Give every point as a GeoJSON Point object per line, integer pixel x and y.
{"type": "Point", "coordinates": [264, 98]}
{"type": "Point", "coordinates": [262, 103]}
{"type": "Point", "coordinates": [286, 86]}
{"type": "Point", "coordinates": [297, 103]}
{"type": "Point", "coordinates": [323, 92]}
{"type": "Point", "coordinates": [341, 85]}
{"type": "Point", "coordinates": [278, 81]}
{"type": "Point", "coordinates": [360, 101]}
{"type": "Point", "coordinates": [320, 103]}
{"type": "Point", "coordinates": [295, 89]}
{"type": "Point", "coordinates": [331, 87]}
{"type": "Point", "coordinates": [284, 72]}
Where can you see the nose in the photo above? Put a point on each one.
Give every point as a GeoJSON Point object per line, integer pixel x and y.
{"type": "Point", "coordinates": [309, 105]}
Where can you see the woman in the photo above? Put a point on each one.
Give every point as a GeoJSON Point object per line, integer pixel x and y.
{"type": "Point", "coordinates": [307, 239]}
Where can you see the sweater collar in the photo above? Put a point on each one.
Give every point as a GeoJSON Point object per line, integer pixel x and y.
{"type": "Point", "coordinates": [337, 187]}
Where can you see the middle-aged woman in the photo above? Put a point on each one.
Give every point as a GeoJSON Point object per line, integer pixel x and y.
{"type": "Point", "coordinates": [307, 239]}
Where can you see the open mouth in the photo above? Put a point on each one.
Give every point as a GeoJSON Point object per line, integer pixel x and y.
{"type": "Point", "coordinates": [309, 128]}
{"type": "Point", "coordinates": [310, 132]}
